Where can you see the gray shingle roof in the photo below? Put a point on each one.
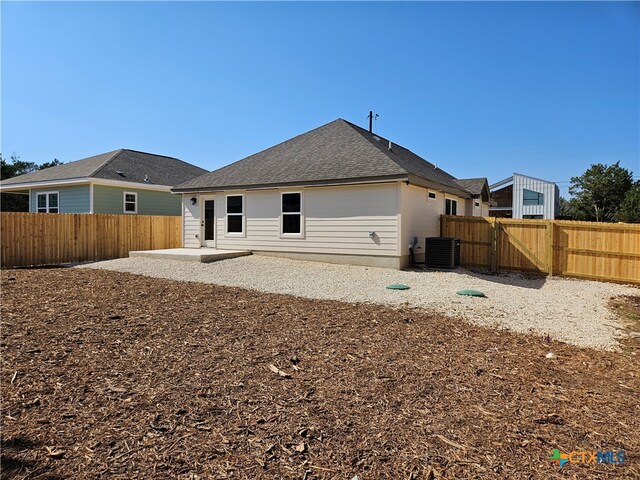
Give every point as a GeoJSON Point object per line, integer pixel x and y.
{"type": "Point", "coordinates": [473, 185]}
{"type": "Point", "coordinates": [134, 165]}
{"type": "Point", "coordinates": [337, 151]}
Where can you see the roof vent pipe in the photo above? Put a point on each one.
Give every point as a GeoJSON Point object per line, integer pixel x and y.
{"type": "Point", "coordinates": [389, 144]}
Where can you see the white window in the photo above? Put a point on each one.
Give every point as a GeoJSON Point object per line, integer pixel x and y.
{"type": "Point", "coordinates": [291, 220]}
{"type": "Point", "coordinates": [130, 202]}
{"type": "Point", "coordinates": [477, 204]}
{"type": "Point", "coordinates": [450, 206]}
{"type": "Point", "coordinates": [47, 202]}
{"type": "Point", "coordinates": [235, 214]}
{"type": "Point", "coordinates": [431, 195]}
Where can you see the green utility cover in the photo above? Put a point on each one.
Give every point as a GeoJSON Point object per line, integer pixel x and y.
{"type": "Point", "coordinates": [471, 293]}
{"type": "Point", "coordinates": [398, 286]}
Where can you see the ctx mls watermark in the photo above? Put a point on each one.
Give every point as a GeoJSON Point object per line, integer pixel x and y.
{"type": "Point", "coordinates": [582, 456]}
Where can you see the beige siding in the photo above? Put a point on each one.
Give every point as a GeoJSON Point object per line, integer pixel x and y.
{"type": "Point", "coordinates": [421, 216]}
{"type": "Point", "coordinates": [482, 210]}
{"type": "Point", "coordinates": [463, 206]}
{"type": "Point", "coordinates": [190, 222]}
{"type": "Point", "coordinates": [337, 220]}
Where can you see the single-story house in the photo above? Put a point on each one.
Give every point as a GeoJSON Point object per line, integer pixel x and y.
{"type": "Point", "coordinates": [122, 181]}
{"type": "Point", "coordinates": [522, 196]}
{"type": "Point", "coordinates": [338, 194]}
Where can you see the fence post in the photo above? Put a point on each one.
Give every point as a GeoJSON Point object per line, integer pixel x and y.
{"type": "Point", "coordinates": [550, 245]}
{"type": "Point", "coordinates": [494, 245]}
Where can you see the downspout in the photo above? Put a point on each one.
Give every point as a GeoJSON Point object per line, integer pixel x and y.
{"type": "Point", "coordinates": [90, 198]}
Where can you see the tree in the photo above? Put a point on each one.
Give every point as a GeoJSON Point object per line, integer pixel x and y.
{"type": "Point", "coordinates": [629, 210]}
{"type": "Point", "coordinates": [598, 192]}
{"type": "Point", "coordinates": [15, 167]}
{"type": "Point", "coordinates": [54, 163]}
{"type": "Point", "coordinates": [565, 209]}
{"type": "Point", "coordinates": [12, 202]}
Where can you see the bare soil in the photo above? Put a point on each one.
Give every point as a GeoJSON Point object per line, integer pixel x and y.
{"type": "Point", "coordinates": [109, 374]}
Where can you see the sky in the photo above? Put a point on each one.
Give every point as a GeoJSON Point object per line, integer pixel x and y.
{"type": "Point", "coordinates": [481, 89]}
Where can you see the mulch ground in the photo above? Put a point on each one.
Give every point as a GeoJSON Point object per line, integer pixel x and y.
{"type": "Point", "coordinates": [109, 374]}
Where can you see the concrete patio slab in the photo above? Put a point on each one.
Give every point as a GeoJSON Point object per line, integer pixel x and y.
{"type": "Point", "coordinates": [198, 255]}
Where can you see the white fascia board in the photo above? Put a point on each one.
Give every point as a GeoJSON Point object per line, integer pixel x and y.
{"type": "Point", "coordinates": [501, 183]}
{"type": "Point", "coordinates": [82, 181]}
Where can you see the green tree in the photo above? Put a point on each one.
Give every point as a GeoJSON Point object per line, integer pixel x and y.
{"type": "Point", "coordinates": [598, 192]}
{"type": "Point", "coordinates": [629, 210]}
{"type": "Point", "coordinates": [14, 167]}
{"type": "Point", "coordinates": [53, 163]}
{"type": "Point", "coordinates": [12, 202]}
{"type": "Point", "coordinates": [565, 209]}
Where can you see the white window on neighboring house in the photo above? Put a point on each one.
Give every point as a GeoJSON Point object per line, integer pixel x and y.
{"type": "Point", "coordinates": [47, 202]}
{"type": "Point", "coordinates": [235, 214]}
{"type": "Point", "coordinates": [130, 200]}
{"type": "Point", "coordinates": [477, 204]}
{"type": "Point", "coordinates": [450, 206]}
{"type": "Point", "coordinates": [291, 214]}
{"type": "Point", "coordinates": [431, 195]}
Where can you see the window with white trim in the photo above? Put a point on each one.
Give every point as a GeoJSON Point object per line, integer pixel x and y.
{"type": "Point", "coordinates": [450, 206]}
{"type": "Point", "coordinates": [47, 202]}
{"type": "Point", "coordinates": [235, 214]}
{"type": "Point", "coordinates": [130, 202]}
{"type": "Point", "coordinates": [431, 195]}
{"type": "Point", "coordinates": [291, 210]}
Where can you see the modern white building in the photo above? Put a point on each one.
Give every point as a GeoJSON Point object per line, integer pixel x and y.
{"type": "Point", "coordinates": [522, 196]}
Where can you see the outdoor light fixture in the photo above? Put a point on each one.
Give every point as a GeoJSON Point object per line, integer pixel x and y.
{"type": "Point", "coordinates": [194, 200]}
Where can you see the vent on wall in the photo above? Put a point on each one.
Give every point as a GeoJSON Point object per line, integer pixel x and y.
{"type": "Point", "coordinates": [442, 252]}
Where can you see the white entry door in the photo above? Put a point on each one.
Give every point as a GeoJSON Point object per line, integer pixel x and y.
{"type": "Point", "coordinates": [208, 224]}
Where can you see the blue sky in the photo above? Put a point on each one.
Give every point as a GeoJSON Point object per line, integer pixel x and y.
{"type": "Point", "coordinates": [483, 89]}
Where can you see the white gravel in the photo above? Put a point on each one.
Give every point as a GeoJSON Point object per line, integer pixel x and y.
{"type": "Point", "coordinates": [574, 311]}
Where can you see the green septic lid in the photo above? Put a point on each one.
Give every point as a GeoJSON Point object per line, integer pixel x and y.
{"type": "Point", "coordinates": [471, 293]}
{"type": "Point", "coordinates": [398, 286]}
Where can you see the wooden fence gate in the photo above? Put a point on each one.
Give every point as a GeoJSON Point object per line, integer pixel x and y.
{"type": "Point", "coordinates": [599, 251]}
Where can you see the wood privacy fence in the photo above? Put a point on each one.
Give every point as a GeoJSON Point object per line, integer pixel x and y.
{"type": "Point", "coordinates": [599, 251]}
{"type": "Point", "coordinates": [49, 238]}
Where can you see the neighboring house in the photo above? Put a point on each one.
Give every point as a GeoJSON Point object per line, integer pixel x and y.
{"type": "Point", "coordinates": [122, 181]}
{"type": "Point", "coordinates": [338, 193]}
{"type": "Point", "coordinates": [521, 196]}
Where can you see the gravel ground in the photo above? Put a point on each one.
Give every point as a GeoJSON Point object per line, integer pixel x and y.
{"type": "Point", "coordinates": [574, 311]}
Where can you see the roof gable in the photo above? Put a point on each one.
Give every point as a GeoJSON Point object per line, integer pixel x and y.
{"type": "Point", "coordinates": [478, 187]}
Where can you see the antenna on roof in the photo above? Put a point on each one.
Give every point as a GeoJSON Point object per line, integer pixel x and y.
{"type": "Point", "coordinates": [371, 117]}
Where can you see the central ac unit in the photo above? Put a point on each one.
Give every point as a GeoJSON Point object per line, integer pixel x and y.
{"type": "Point", "coordinates": [441, 252]}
